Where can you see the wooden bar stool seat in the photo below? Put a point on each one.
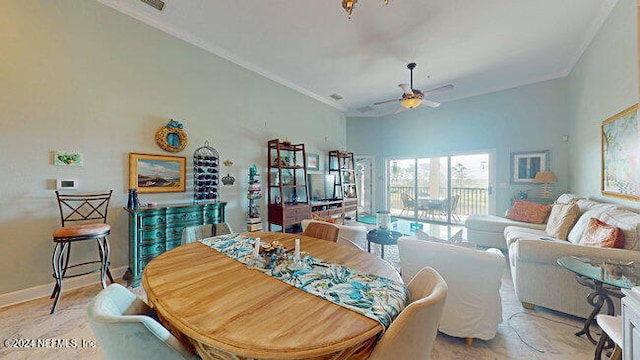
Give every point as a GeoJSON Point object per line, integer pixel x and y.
{"type": "Point", "coordinates": [81, 232]}
{"type": "Point", "coordinates": [85, 210]}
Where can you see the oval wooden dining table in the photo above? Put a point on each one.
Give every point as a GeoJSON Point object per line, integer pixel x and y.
{"type": "Point", "coordinates": [228, 311]}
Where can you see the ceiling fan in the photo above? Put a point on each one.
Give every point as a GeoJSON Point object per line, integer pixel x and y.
{"type": "Point", "coordinates": [414, 97]}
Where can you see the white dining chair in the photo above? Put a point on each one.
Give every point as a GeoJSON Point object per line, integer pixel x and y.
{"type": "Point", "coordinates": [411, 335]}
{"type": "Point", "coordinates": [124, 328]}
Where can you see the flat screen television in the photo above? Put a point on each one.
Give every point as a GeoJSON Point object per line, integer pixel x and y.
{"type": "Point", "coordinates": [321, 187]}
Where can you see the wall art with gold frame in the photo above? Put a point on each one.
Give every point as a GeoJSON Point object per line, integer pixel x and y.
{"type": "Point", "coordinates": [621, 155]}
{"type": "Point", "coordinates": [157, 173]}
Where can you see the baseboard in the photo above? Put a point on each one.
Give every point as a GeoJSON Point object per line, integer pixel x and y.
{"type": "Point", "coordinates": [36, 292]}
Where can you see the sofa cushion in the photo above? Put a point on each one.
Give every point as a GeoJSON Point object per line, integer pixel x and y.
{"type": "Point", "coordinates": [578, 229]}
{"type": "Point", "coordinates": [626, 220]}
{"type": "Point", "coordinates": [514, 233]}
{"type": "Point", "coordinates": [586, 204]}
{"type": "Point", "coordinates": [492, 223]}
{"type": "Point", "coordinates": [561, 219]}
{"type": "Point", "coordinates": [528, 211]}
{"type": "Point", "coordinates": [601, 234]}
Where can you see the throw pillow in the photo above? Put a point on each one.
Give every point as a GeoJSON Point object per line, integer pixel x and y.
{"type": "Point", "coordinates": [528, 211]}
{"type": "Point", "coordinates": [320, 218]}
{"type": "Point", "coordinates": [561, 220]}
{"type": "Point", "coordinates": [628, 222]}
{"type": "Point", "coordinates": [581, 225]}
{"type": "Point", "coordinates": [601, 234]}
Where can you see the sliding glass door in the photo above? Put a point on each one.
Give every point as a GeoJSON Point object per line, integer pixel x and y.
{"type": "Point", "coordinates": [439, 189]}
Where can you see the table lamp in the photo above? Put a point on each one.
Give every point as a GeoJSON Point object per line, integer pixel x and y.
{"type": "Point", "coordinates": [546, 178]}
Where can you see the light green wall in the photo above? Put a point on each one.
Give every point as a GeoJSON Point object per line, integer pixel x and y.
{"type": "Point", "coordinates": [527, 118]}
{"type": "Point", "coordinates": [79, 76]}
{"type": "Point", "coordinates": [603, 83]}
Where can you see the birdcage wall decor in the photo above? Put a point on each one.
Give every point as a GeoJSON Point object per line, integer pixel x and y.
{"type": "Point", "coordinates": [206, 174]}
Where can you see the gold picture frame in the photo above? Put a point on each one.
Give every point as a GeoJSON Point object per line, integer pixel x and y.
{"type": "Point", "coordinates": [620, 143]}
{"type": "Point", "coordinates": [157, 173]}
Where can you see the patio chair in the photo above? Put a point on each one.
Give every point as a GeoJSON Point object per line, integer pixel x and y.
{"type": "Point", "coordinates": [453, 205]}
{"type": "Point", "coordinates": [408, 203]}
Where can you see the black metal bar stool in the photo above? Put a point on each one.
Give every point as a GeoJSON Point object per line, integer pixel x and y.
{"type": "Point", "coordinates": [89, 212]}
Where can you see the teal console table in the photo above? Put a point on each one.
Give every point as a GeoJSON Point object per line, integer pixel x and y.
{"type": "Point", "coordinates": [154, 230]}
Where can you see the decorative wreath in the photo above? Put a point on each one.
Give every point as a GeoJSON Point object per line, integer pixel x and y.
{"type": "Point", "coordinates": [172, 138]}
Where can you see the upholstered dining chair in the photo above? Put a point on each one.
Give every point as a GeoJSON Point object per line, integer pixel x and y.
{"type": "Point", "coordinates": [411, 335]}
{"type": "Point", "coordinates": [322, 230]}
{"type": "Point", "coordinates": [125, 329]}
{"type": "Point", "coordinates": [197, 232]}
{"type": "Point", "coordinates": [474, 306]}
{"type": "Point", "coordinates": [83, 217]}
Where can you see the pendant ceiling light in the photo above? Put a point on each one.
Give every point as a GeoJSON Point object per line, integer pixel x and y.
{"type": "Point", "coordinates": [348, 5]}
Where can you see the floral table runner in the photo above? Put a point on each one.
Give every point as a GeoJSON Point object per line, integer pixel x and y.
{"type": "Point", "coordinates": [371, 295]}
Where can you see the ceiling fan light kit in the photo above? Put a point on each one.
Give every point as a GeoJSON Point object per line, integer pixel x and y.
{"type": "Point", "coordinates": [413, 97]}
{"type": "Point", "coordinates": [348, 5]}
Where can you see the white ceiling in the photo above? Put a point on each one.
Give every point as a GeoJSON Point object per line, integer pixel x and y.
{"type": "Point", "coordinates": [311, 46]}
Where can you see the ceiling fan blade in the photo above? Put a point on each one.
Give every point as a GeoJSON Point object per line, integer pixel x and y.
{"type": "Point", "coordinates": [430, 103]}
{"type": "Point", "coordinates": [400, 109]}
{"type": "Point", "coordinates": [406, 88]}
{"type": "Point", "coordinates": [386, 101]}
{"type": "Point", "coordinates": [441, 88]}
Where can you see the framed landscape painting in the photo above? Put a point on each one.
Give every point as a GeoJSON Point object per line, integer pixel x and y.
{"type": "Point", "coordinates": [157, 173]}
{"type": "Point", "coordinates": [621, 155]}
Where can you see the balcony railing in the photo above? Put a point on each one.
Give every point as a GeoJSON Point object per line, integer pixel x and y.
{"type": "Point", "coordinates": [471, 201]}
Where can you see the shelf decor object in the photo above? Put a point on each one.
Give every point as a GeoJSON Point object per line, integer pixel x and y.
{"type": "Point", "coordinates": [171, 137]}
{"type": "Point", "coordinates": [206, 174]}
{"type": "Point", "coordinates": [157, 173]}
{"type": "Point", "coordinates": [254, 192]}
{"type": "Point", "coordinates": [287, 185]}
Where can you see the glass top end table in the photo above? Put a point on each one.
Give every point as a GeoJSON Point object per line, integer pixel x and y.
{"type": "Point", "coordinates": [605, 278]}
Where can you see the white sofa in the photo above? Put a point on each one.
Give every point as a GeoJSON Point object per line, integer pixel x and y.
{"type": "Point", "coordinates": [473, 308]}
{"type": "Point", "coordinates": [533, 254]}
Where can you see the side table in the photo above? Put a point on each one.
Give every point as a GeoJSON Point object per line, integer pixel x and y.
{"type": "Point", "coordinates": [605, 278]}
{"type": "Point", "coordinates": [382, 237]}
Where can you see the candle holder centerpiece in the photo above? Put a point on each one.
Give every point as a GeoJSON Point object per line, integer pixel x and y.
{"type": "Point", "coordinates": [273, 252]}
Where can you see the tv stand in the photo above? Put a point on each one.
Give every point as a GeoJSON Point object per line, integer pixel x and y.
{"type": "Point", "coordinates": [329, 209]}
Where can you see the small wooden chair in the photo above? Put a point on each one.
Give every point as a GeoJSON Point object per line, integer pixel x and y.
{"type": "Point", "coordinates": [89, 213]}
{"type": "Point", "coordinates": [322, 230]}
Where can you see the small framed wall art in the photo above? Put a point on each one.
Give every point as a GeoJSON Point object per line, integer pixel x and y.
{"type": "Point", "coordinates": [620, 147]}
{"type": "Point", "coordinates": [157, 173]}
{"type": "Point", "coordinates": [313, 162]}
{"type": "Point", "coordinates": [525, 165]}
{"type": "Point", "coordinates": [65, 158]}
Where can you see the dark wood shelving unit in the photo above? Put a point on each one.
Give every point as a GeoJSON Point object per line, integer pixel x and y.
{"type": "Point", "coordinates": [287, 185]}
{"type": "Point", "coordinates": [342, 164]}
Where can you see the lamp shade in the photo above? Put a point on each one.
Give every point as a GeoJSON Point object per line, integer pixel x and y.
{"type": "Point", "coordinates": [545, 177]}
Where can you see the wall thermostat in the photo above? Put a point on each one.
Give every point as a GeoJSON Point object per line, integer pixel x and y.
{"type": "Point", "coordinates": [66, 184]}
